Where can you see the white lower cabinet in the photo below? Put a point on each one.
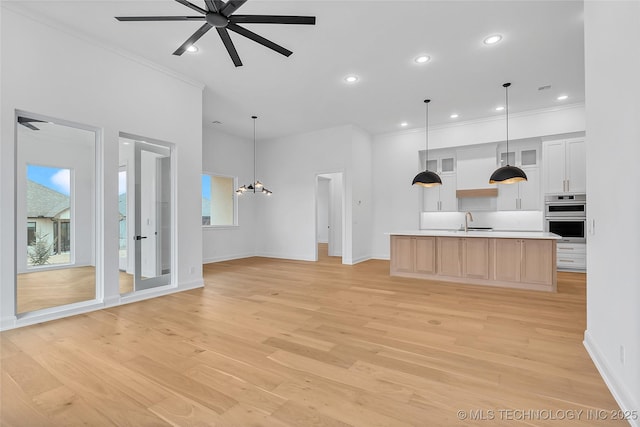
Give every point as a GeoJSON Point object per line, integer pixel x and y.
{"type": "Point", "coordinates": [572, 256]}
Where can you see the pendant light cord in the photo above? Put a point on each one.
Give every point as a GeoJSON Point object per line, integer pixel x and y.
{"type": "Point", "coordinates": [254, 152]}
{"type": "Point", "coordinates": [506, 102]}
{"type": "Point", "coordinates": [426, 131]}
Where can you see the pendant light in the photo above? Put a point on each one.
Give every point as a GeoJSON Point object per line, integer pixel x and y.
{"type": "Point", "coordinates": [427, 178]}
{"type": "Point", "coordinates": [256, 186]}
{"type": "Point", "coordinates": [507, 174]}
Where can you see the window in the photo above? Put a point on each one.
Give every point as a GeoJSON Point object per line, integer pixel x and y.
{"type": "Point", "coordinates": [218, 200]}
{"type": "Point", "coordinates": [31, 233]}
{"type": "Point", "coordinates": [49, 212]}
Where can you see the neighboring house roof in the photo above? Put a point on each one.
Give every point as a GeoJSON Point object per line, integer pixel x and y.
{"type": "Point", "coordinates": [44, 202]}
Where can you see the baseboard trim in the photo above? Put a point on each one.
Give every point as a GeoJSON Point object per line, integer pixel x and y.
{"type": "Point", "coordinates": [384, 257]}
{"type": "Point", "coordinates": [360, 259]}
{"type": "Point", "coordinates": [111, 301]}
{"type": "Point", "coordinates": [8, 322]}
{"type": "Point", "coordinates": [617, 389]}
{"type": "Point", "coordinates": [283, 256]}
{"type": "Point", "coordinates": [226, 258]}
{"type": "Point", "coordinates": [54, 313]}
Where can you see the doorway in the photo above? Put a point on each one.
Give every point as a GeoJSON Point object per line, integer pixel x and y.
{"type": "Point", "coordinates": [145, 204]}
{"type": "Point", "coordinates": [329, 216]}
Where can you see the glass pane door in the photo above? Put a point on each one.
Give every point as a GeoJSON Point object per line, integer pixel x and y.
{"type": "Point", "coordinates": [152, 238]}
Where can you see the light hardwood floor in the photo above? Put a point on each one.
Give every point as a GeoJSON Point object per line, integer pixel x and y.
{"type": "Point", "coordinates": [51, 288]}
{"type": "Point", "coordinates": [292, 343]}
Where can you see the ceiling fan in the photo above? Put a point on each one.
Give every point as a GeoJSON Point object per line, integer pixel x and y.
{"type": "Point", "coordinates": [220, 15]}
{"type": "Point", "coordinates": [26, 122]}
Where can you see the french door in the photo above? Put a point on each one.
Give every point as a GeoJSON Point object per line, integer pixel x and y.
{"type": "Point", "coordinates": [152, 239]}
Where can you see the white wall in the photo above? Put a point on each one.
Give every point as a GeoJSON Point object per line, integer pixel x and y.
{"type": "Point", "coordinates": [395, 162]}
{"type": "Point", "coordinates": [223, 154]}
{"type": "Point", "coordinates": [323, 210]}
{"type": "Point", "coordinates": [289, 166]}
{"type": "Point", "coordinates": [362, 195]}
{"type": "Point", "coordinates": [54, 73]}
{"type": "Point", "coordinates": [612, 67]}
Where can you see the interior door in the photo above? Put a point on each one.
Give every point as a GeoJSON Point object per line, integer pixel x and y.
{"type": "Point", "coordinates": [152, 237]}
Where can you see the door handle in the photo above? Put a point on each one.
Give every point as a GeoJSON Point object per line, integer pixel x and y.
{"type": "Point", "coordinates": [139, 237]}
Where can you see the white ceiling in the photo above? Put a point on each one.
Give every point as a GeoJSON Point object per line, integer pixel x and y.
{"type": "Point", "coordinates": [377, 40]}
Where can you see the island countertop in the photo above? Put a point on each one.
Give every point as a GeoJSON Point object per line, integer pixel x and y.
{"type": "Point", "coordinates": [495, 234]}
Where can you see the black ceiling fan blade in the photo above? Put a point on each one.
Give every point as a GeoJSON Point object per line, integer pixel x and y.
{"type": "Point", "coordinates": [258, 39]}
{"type": "Point", "coordinates": [214, 5]}
{"type": "Point", "coordinates": [26, 122]}
{"type": "Point", "coordinates": [159, 18]}
{"type": "Point", "coordinates": [192, 6]}
{"type": "Point", "coordinates": [233, 53]}
{"type": "Point", "coordinates": [191, 40]}
{"type": "Point", "coordinates": [273, 19]}
{"type": "Point", "coordinates": [29, 125]}
{"type": "Point", "coordinates": [232, 6]}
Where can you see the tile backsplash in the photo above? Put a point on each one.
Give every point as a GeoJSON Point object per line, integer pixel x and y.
{"type": "Point", "coordinates": [503, 220]}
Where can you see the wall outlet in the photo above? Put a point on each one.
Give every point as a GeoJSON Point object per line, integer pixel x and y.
{"type": "Point", "coordinates": [622, 354]}
{"type": "Point", "coordinates": [192, 270]}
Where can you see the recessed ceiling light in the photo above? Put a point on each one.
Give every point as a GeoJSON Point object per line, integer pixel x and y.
{"type": "Point", "coordinates": [562, 97]}
{"type": "Point", "coordinates": [454, 116]}
{"type": "Point", "coordinates": [404, 124]}
{"type": "Point", "coordinates": [493, 39]}
{"type": "Point", "coordinates": [351, 78]}
{"type": "Point", "coordinates": [422, 59]}
{"type": "Point", "coordinates": [192, 49]}
{"type": "Point", "coordinates": [500, 108]}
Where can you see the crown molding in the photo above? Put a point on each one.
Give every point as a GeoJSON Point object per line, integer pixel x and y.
{"type": "Point", "coordinates": [12, 7]}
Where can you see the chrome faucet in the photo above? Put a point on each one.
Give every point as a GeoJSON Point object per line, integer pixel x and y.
{"type": "Point", "coordinates": [467, 217]}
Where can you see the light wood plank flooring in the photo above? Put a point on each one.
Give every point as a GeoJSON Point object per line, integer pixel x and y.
{"type": "Point", "coordinates": [291, 343]}
{"type": "Point", "coordinates": [51, 288]}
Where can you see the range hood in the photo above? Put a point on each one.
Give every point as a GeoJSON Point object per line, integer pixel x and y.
{"type": "Point", "coordinates": [474, 167]}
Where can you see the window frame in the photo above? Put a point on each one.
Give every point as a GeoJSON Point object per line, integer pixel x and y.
{"type": "Point", "coordinates": [235, 201]}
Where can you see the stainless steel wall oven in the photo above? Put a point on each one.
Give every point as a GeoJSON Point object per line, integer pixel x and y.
{"type": "Point", "coordinates": [566, 215]}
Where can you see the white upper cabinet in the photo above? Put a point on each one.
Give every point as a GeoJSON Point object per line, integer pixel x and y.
{"type": "Point", "coordinates": [526, 195]}
{"type": "Point", "coordinates": [576, 164]}
{"type": "Point", "coordinates": [564, 166]}
{"type": "Point", "coordinates": [441, 198]}
{"type": "Point", "coordinates": [475, 166]}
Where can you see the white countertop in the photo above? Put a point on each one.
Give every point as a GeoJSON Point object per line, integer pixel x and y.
{"type": "Point", "coordinates": [478, 233]}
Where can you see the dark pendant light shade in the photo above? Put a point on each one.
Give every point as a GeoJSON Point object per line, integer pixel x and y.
{"type": "Point", "coordinates": [427, 178]}
{"type": "Point", "coordinates": [507, 174]}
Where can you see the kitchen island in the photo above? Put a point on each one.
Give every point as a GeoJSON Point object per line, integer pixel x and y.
{"type": "Point", "coordinates": [514, 259]}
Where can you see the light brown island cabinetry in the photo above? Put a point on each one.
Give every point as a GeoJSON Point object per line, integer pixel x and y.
{"type": "Point", "coordinates": [414, 255]}
{"type": "Point", "coordinates": [509, 262]}
{"type": "Point", "coordinates": [461, 257]}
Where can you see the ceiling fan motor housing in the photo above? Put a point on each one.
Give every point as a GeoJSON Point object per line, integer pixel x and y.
{"type": "Point", "coordinates": [216, 20]}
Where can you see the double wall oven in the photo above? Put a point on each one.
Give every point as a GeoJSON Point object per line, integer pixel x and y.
{"type": "Point", "coordinates": [566, 215]}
